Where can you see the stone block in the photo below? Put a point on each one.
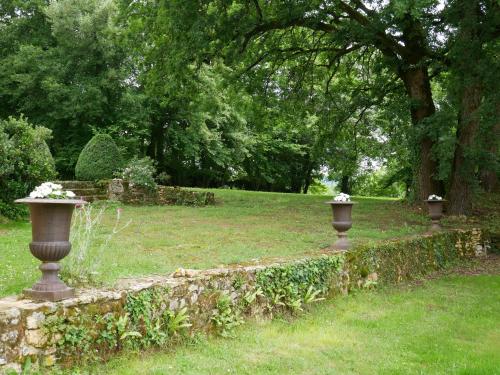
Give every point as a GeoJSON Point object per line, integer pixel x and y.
{"type": "Point", "coordinates": [36, 337]}
{"type": "Point", "coordinates": [9, 337]}
{"type": "Point", "coordinates": [35, 320]}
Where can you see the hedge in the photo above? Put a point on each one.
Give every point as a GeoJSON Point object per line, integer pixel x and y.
{"type": "Point", "coordinates": [99, 159]}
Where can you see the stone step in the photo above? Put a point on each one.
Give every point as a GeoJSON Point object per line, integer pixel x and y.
{"type": "Point", "coordinates": [70, 185]}
{"type": "Point", "coordinates": [88, 191]}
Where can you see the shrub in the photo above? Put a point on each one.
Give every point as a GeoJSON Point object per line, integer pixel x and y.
{"type": "Point", "coordinates": [140, 172]}
{"type": "Point", "coordinates": [163, 178]}
{"type": "Point", "coordinates": [99, 159]}
{"type": "Point", "coordinates": [25, 161]}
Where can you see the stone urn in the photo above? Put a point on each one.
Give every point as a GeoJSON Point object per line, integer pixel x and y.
{"type": "Point", "coordinates": [50, 228]}
{"type": "Point", "coordinates": [342, 222]}
{"type": "Point", "coordinates": [435, 212]}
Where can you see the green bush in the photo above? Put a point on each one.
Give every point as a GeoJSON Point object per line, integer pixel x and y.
{"type": "Point", "coordinates": [140, 172]}
{"type": "Point", "coordinates": [25, 161]}
{"type": "Point", "coordinates": [99, 159]}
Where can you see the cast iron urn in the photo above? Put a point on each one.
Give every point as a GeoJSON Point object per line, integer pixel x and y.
{"type": "Point", "coordinates": [50, 227]}
{"type": "Point", "coordinates": [435, 212]}
{"type": "Point", "coordinates": [342, 222]}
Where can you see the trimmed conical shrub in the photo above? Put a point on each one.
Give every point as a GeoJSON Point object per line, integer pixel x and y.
{"type": "Point", "coordinates": [99, 159]}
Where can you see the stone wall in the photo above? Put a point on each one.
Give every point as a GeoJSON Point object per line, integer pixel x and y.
{"type": "Point", "coordinates": [147, 312]}
{"type": "Point", "coordinates": [164, 195]}
{"type": "Point", "coordinates": [120, 190]}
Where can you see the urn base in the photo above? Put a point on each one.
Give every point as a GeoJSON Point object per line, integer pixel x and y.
{"type": "Point", "coordinates": [50, 287]}
{"type": "Point", "coordinates": [436, 226]}
{"type": "Point", "coordinates": [342, 243]}
{"type": "Point", "coordinates": [52, 295]}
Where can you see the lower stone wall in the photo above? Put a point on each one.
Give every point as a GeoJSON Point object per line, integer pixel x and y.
{"type": "Point", "coordinates": [165, 195]}
{"type": "Point", "coordinates": [156, 311]}
{"type": "Point", "coordinates": [120, 190]}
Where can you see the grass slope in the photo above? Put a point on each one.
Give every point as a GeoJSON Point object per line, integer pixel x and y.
{"type": "Point", "coordinates": [446, 326]}
{"type": "Point", "coordinates": [245, 226]}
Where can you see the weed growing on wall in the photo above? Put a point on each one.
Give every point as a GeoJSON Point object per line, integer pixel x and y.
{"type": "Point", "coordinates": [150, 317]}
{"type": "Point", "coordinates": [85, 258]}
{"type": "Point", "coordinates": [145, 321]}
{"type": "Point", "coordinates": [294, 285]}
{"type": "Point", "coordinates": [226, 316]}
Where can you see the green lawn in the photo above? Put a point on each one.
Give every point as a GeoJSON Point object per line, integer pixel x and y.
{"type": "Point", "coordinates": [446, 326]}
{"type": "Point", "coordinates": [242, 227]}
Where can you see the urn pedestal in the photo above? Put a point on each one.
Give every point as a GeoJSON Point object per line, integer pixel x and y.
{"type": "Point", "coordinates": [435, 212]}
{"type": "Point", "coordinates": [50, 227]}
{"type": "Point", "coordinates": [342, 222]}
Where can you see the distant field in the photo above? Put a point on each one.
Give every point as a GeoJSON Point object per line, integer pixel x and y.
{"type": "Point", "coordinates": [242, 227]}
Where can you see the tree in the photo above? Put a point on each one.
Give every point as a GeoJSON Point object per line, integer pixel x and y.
{"type": "Point", "coordinates": [314, 33]}
{"type": "Point", "coordinates": [64, 67]}
{"type": "Point", "coordinates": [25, 161]}
{"type": "Point", "coordinates": [474, 64]}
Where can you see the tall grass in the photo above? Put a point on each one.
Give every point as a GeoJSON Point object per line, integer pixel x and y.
{"type": "Point", "coordinates": [89, 244]}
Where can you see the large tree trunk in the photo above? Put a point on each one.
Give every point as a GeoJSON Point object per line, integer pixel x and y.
{"type": "Point", "coordinates": [418, 88]}
{"type": "Point", "coordinates": [156, 148]}
{"type": "Point", "coordinates": [488, 172]}
{"type": "Point", "coordinates": [466, 68]}
{"type": "Point", "coordinates": [460, 196]}
{"type": "Point", "coordinates": [345, 185]}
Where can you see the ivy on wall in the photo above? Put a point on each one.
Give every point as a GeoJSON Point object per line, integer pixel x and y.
{"type": "Point", "coordinates": [294, 285]}
{"type": "Point", "coordinates": [402, 260]}
{"type": "Point", "coordinates": [144, 321]}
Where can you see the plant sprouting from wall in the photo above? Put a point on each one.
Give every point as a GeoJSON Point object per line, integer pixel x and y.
{"type": "Point", "coordinates": [82, 265]}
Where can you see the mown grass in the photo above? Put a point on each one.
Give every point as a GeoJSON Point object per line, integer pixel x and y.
{"type": "Point", "coordinates": [242, 227]}
{"type": "Point", "coordinates": [446, 326]}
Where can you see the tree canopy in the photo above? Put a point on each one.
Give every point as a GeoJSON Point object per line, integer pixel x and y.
{"type": "Point", "coordinates": [384, 97]}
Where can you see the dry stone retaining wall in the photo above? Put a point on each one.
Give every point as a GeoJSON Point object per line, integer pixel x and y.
{"type": "Point", "coordinates": [120, 190]}
{"type": "Point", "coordinates": [144, 312]}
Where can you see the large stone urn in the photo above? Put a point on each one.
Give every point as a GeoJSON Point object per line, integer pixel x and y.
{"type": "Point", "coordinates": [342, 222]}
{"type": "Point", "coordinates": [50, 227]}
{"type": "Point", "coordinates": [435, 212]}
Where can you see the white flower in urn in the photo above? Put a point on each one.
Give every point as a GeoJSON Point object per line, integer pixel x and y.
{"type": "Point", "coordinates": [342, 197]}
{"type": "Point", "coordinates": [434, 197]}
{"type": "Point", "coordinates": [51, 190]}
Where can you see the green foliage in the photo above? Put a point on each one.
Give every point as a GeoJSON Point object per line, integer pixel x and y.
{"type": "Point", "coordinates": [152, 319]}
{"type": "Point", "coordinates": [63, 65]}
{"type": "Point", "coordinates": [272, 97]}
{"type": "Point", "coordinates": [226, 316]}
{"type": "Point", "coordinates": [71, 334]}
{"type": "Point", "coordinates": [140, 172]}
{"type": "Point", "coordinates": [238, 281]}
{"type": "Point", "coordinates": [145, 322]}
{"type": "Point", "coordinates": [99, 159]}
{"type": "Point", "coordinates": [318, 188]}
{"type": "Point", "coordinates": [25, 162]}
{"type": "Point", "coordinates": [294, 285]}
{"type": "Point", "coordinates": [384, 332]}
{"type": "Point", "coordinates": [378, 184]}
